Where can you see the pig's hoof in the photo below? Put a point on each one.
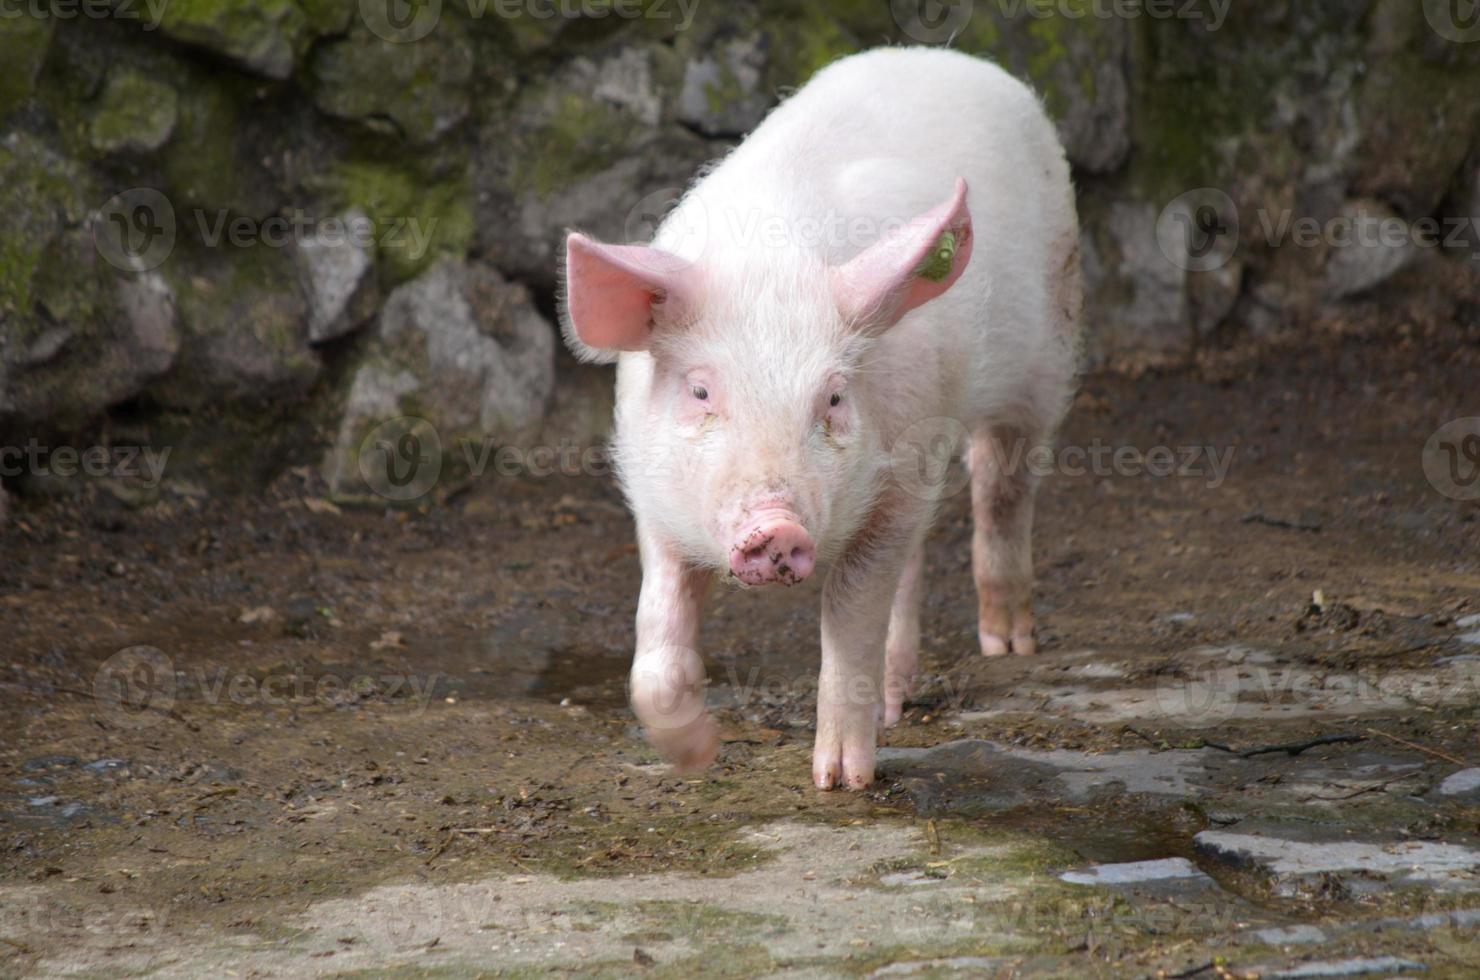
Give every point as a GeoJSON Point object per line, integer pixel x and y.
{"type": "Point", "coordinates": [688, 749]}
{"type": "Point", "coordinates": [1004, 631]}
{"type": "Point", "coordinates": [843, 765]}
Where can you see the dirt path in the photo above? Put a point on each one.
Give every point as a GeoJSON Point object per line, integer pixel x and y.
{"type": "Point", "coordinates": [396, 743]}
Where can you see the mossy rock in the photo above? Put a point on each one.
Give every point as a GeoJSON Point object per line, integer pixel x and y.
{"type": "Point", "coordinates": [803, 40]}
{"type": "Point", "coordinates": [421, 89]}
{"type": "Point", "coordinates": [416, 220]}
{"type": "Point", "coordinates": [75, 336]}
{"type": "Point", "coordinates": [1076, 62]}
{"type": "Point", "coordinates": [458, 361]}
{"type": "Point", "coordinates": [24, 42]}
{"type": "Point", "coordinates": [244, 328]}
{"type": "Point", "coordinates": [211, 164]}
{"type": "Point", "coordinates": [266, 36]}
{"type": "Point", "coordinates": [1418, 111]}
{"type": "Point", "coordinates": [137, 114]}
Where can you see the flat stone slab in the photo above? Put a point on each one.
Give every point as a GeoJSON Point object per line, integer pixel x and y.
{"type": "Point", "coordinates": [1464, 784]}
{"type": "Point", "coordinates": [982, 775]}
{"type": "Point", "coordinates": [1362, 966]}
{"type": "Point", "coordinates": [1301, 935]}
{"type": "Point", "coordinates": [1363, 866]}
{"type": "Point", "coordinates": [1135, 873]}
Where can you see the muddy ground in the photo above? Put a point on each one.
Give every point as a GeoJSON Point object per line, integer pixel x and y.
{"type": "Point", "coordinates": [268, 738]}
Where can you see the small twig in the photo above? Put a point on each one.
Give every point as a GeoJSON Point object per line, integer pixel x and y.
{"type": "Point", "coordinates": [1419, 748]}
{"type": "Point", "coordinates": [1189, 972]}
{"type": "Point", "coordinates": [20, 946]}
{"type": "Point", "coordinates": [1293, 748]}
{"type": "Point", "coordinates": [1374, 788]}
{"type": "Point", "coordinates": [932, 833]}
{"type": "Point", "coordinates": [1258, 518]}
{"type": "Point", "coordinates": [441, 848]}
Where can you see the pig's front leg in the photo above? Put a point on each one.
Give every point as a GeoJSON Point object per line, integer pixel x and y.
{"type": "Point", "coordinates": [855, 621]}
{"type": "Point", "coordinates": [667, 672]}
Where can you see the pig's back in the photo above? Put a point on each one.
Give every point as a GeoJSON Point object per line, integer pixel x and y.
{"type": "Point", "coordinates": [883, 136]}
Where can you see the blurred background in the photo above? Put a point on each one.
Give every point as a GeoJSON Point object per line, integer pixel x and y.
{"type": "Point", "coordinates": [253, 231]}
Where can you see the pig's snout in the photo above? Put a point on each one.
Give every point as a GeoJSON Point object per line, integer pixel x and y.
{"type": "Point", "coordinates": [773, 548]}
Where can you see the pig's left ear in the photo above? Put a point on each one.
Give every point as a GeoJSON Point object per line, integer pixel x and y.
{"type": "Point", "coordinates": [907, 268]}
{"type": "Point", "coordinates": [611, 292]}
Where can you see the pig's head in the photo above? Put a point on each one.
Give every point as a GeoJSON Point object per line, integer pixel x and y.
{"type": "Point", "coordinates": [762, 449]}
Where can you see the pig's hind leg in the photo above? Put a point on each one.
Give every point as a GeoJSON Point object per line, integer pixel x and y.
{"type": "Point", "coordinates": [1002, 492]}
{"type": "Point", "coordinates": [902, 648]}
{"type": "Point", "coordinates": [667, 683]}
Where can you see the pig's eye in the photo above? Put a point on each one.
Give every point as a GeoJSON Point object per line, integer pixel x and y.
{"type": "Point", "coordinates": [835, 400]}
{"type": "Point", "coordinates": [700, 392]}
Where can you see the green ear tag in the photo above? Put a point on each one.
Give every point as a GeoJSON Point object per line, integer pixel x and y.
{"type": "Point", "coordinates": [937, 264]}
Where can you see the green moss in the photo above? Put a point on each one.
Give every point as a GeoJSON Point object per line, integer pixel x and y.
{"type": "Point", "coordinates": [24, 41]}
{"type": "Point", "coordinates": [137, 113]}
{"type": "Point", "coordinates": [40, 193]}
{"type": "Point", "coordinates": [804, 43]}
{"type": "Point", "coordinates": [415, 223]}
{"type": "Point", "coordinates": [265, 35]}
{"type": "Point", "coordinates": [328, 16]}
{"type": "Point", "coordinates": [203, 163]}
{"type": "Point", "coordinates": [18, 260]}
{"type": "Point", "coordinates": [580, 137]}
{"type": "Point", "coordinates": [422, 88]}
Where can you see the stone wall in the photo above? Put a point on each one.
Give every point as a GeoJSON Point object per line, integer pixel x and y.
{"type": "Point", "coordinates": [253, 230]}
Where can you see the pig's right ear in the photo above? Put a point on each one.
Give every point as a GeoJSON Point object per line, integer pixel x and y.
{"type": "Point", "coordinates": [611, 292]}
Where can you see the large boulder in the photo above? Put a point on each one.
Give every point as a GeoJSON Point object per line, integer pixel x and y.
{"type": "Point", "coordinates": [336, 267]}
{"type": "Point", "coordinates": [1077, 61]}
{"type": "Point", "coordinates": [80, 328]}
{"type": "Point", "coordinates": [586, 149]}
{"type": "Point", "coordinates": [419, 91]}
{"type": "Point", "coordinates": [264, 36]}
{"type": "Point", "coordinates": [244, 324]}
{"type": "Point", "coordinates": [458, 362]}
